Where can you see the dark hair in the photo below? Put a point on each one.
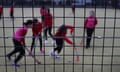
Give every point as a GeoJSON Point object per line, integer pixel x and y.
{"type": "Point", "coordinates": [62, 28]}
{"type": "Point", "coordinates": [28, 22]}
{"type": "Point", "coordinates": [35, 20]}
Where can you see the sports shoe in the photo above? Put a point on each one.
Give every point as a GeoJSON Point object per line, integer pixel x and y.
{"type": "Point", "coordinates": [42, 51]}
{"type": "Point", "coordinates": [15, 64]}
{"type": "Point", "coordinates": [46, 41]}
{"type": "Point", "coordinates": [57, 56]}
{"type": "Point", "coordinates": [51, 53]}
{"type": "Point", "coordinates": [9, 58]}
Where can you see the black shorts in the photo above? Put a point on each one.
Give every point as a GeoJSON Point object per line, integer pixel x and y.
{"type": "Point", "coordinates": [17, 44]}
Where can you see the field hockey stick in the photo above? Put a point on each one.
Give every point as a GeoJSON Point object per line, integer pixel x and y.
{"type": "Point", "coordinates": [35, 45]}
{"type": "Point", "coordinates": [77, 54]}
{"type": "Point", "coordinates": [76, 51]}
{"type": "Point", "coordinates": [36, 40]}
{"type": "Point", "coordinates": [81, 42]}
{"type": "Point", "coordinates": [33, 56]}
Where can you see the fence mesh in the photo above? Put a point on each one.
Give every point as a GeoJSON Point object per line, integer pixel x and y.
{"type": "Point", "coordinates": [102, 56]}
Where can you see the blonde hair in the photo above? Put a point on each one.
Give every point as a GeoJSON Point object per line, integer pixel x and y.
{"type": "Point", "coordinates": [92, 13]}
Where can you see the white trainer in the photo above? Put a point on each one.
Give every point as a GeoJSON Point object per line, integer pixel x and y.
{"type": "Point", "coordinates": [57, 56]}
{"type": "Point", "coordinates": [46, 41]}
{"type": "Point", "coordinates": [51, 53]}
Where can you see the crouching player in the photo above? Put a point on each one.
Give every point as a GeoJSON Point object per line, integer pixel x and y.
{"type": "Point", "coordinates": [60, 36]}
{"type": "Point", "coordinates": [19, 42]}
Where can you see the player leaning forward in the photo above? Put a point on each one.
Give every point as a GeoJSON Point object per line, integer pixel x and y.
{"type": "Point", "coordinates": [90, 24]}
{"type": "Point", "coordinates": [19, 42]}
{"type": "Point", "coordinates": [60, 36]}
{"type": "Point", "coordinates": [36, 30]}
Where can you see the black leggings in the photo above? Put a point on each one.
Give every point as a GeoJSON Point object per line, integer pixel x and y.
{"type": "Point", "coordinates": [1, 15]}
{"type": "Point", "coordinates": [59, 44]}
{"type": "Point", "coordinates": [89, 36]}
{"type": "Point", "coordinates": [49, 30]}
{"type": "Point", "coordinates": [11, 15]}
{"type": "Point", "coordinates": [18, 48]}
{"type": "Point", "coordinates": [42, 17]}
{"type": "Point", "coordinates": [33, 42]}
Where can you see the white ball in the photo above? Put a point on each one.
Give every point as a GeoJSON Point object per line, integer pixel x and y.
{"type": "Point", "coordinates": [6, 37]}
{"type": "Point", "coordinates": [99, 37]}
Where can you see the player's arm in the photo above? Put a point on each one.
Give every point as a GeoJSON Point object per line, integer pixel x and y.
{"type": "Point", "coordinates": [23, 42]}
{"type": "Point", "coordinates": [40, 28]}
{"type": "Point", "coordinates": [68, 41]}
{"type": "Point", "coordinates": [71, 28]}
{"type": "Point", "coordinates": [34, 32]}
{"type": "Point", "coordinates": [96, 21]}
{"type": "Point", "coordinates": [23, 39]}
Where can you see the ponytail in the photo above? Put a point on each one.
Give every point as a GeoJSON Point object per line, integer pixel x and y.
{"type": "Point", "coordinates": [28, 22]}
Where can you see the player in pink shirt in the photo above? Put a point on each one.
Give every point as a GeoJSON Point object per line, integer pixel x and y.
{"type": "Point", "coordinates": [89, 25]}
{"type": "Point", "coordinates": [19, 42]}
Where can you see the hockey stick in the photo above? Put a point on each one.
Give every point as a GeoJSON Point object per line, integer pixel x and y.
{"type": "Point", "coordinates": [81, 43]}
{"type": "Point", "coordinates": [33, 56]}
{"type": "Point", "coordinates": [77, 54]}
